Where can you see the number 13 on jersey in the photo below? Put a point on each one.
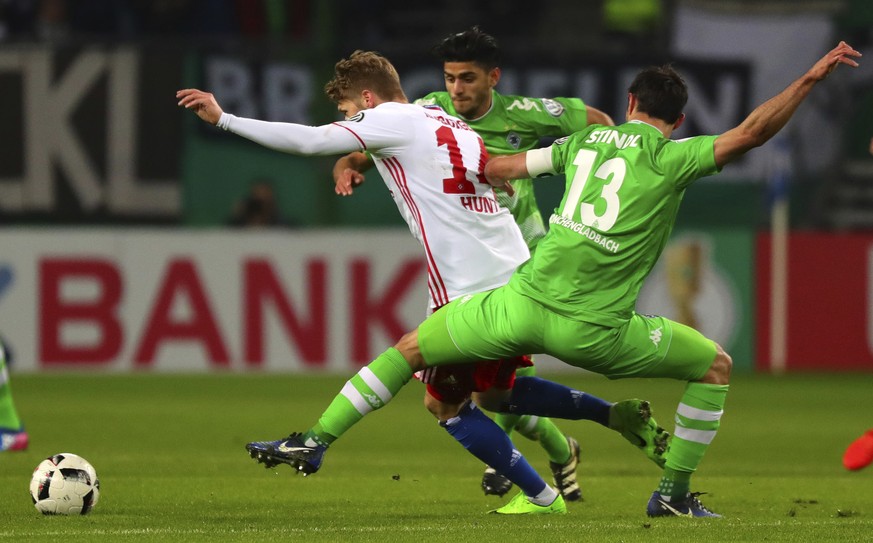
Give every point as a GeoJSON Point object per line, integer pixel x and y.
{"type": "Point", "coordinates": [611, 173]}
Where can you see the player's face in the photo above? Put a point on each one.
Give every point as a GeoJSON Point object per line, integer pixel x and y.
{"type": "Point", "coordinates": [470, 86]}
{"type": "Point", "coordinates": [348, 108]}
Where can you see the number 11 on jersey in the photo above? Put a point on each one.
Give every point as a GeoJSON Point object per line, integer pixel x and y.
{"type": "Point", "coordinates": [458, 183]}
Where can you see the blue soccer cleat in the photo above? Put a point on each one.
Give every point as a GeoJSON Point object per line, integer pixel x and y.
{"type": "Point", "coordinates": [304, 456]}
{"type": "Point", "coordinates": [689, 507]}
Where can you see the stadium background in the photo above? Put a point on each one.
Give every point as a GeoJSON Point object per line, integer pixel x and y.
{"type": "Point", "coordinates": [115, 249]}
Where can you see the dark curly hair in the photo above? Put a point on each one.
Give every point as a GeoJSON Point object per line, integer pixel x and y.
{"type": "Point", "coordinates": [471, 45]}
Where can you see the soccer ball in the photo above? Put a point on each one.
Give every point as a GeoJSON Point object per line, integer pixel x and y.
{"type": "Point", "coordinates": [64, 484]}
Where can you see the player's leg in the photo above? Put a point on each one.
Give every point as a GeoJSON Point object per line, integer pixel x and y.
{"type": "Point", "coordinates": [438, 347]}
{"type": "Point", "coordinates": [499, 323]}
{"type": "Point", "coordinates": [690, 356]}
{"type": "Point", "coordinates": [12, 434]}
{"type": "Point", "coordinates": [447, 397]}
{"type": "Point", "coordinates": [370, 389]}
{"type": "Point", "coordinates": [563, 451]}
{"type": "Point", "coordinates": [485, 440]}
{"type": "Point", "coordinates": [631, 418]}
{"type": "Point", "coordinates": [591, 347]}
{"type": "Point", "coordinates": [535, 428]}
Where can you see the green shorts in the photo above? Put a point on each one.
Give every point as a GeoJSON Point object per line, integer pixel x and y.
{"type": "Point", "coordinates": [502, 323]}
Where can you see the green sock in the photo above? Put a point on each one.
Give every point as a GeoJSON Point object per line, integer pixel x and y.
{"type": "Point", "coordinates": [509, 422]}
{"type": "Point", "coordinates": [674, 483]}
{"type": "Point", "coordinates": [371, 388]}
{"type": "Point", "coordinates": [8, 415]}
{"type": "Point", "coordinates": [697, 421]}
{"type": "Point", "coordinates": [542, 429]}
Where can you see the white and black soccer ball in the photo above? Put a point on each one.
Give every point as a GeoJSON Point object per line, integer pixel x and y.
{"type": "Point", "coordinates": [64, 484]}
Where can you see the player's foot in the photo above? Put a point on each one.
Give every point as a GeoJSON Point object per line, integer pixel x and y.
{"type": "Point", "coordinates": [859, 454]}
{"type": "Point", "coordinates": [13, 440]}
{"type": "Point", "coordinates": [493, 483]}
{"type": "Point", "coordinates": [565, 474]}
{"type": "Point", "coordinates": [304, 457]}
{"type": "Point", "coordinates": [633, 419]}
{"type": "Point", "coordinates": [520, 505]}
{"type": "Point", "coordinates": [689, 507]}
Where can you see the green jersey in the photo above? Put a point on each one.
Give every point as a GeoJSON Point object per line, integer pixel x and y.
{"type": "Point", "coordinates": [515, 124]}
{"type": "Point", "coordinates": [624, 185]}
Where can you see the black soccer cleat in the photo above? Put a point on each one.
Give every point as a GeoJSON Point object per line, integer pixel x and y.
{"type": "Point", "coordinates": [495, 484]}
{"type": "Point", "coordinates": [565, 474]}
{"type": "Point", "coordinates": [690, 507]}
{"type": "Point", "coordinates": [292, 450]}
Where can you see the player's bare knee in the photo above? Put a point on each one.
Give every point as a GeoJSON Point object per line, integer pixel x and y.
{"type": "Point", "coordinates": [720, 371]}
{"type": "Point", "coordinates": [441, 410]}
{"type": "Point", "coordinates": [408, 347]}
{"type": "Point", "coordinates": [492, 399]}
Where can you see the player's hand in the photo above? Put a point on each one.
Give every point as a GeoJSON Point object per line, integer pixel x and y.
{"type": "Point", "coordinates": [347, 180]}
{"type": "Point", "coordinates": [505, 187]}
{"type": "Point", "coordinates": [841, 54]}
{"type": "Point", "coordinates": [203, 104]}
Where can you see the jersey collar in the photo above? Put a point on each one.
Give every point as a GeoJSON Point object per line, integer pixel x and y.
{"type": "Point", "coordinates": [637, 121]}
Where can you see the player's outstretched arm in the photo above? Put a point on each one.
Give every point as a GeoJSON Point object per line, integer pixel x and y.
{"type": "Point", "coordinates": [769, 118]}
{"type": "Point", "coordinates": [595, 116]}
{"type": "Point", "coordinates": [203, 104]}
{"type": "Point", "coordinates": [348, 172]}
{"type": "Point", "coordinates": [286, 137]}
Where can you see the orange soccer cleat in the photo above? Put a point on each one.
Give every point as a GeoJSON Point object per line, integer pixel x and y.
{"type": "Point", "coordinates": [859, 454]}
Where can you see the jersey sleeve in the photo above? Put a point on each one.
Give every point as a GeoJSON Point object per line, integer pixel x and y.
{"type": "Point", "coordinates": [688, 159]}
{"type": "Point", "coordinates": [291, 138]}
{"type": "Point", "coordinates": [561, 153]}
{"type": "Point", "coordinates": [554, 116]}
{"type": "Point", "coordinates": [375, 130]}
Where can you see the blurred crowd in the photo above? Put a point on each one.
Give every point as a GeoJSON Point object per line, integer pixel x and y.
{"type": "Point", "coordinates": [390, 26]}
{"type": "Point", "coordinates": [54, 20]}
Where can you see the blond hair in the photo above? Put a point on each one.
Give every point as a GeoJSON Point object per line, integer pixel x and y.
{"type": "Point", "coordinates": [364, 70]}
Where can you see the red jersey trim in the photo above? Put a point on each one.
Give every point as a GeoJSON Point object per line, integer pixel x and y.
{"type": "Point", "coordinates": [357, 137]}
{"type": "Point", "coordinates": [436, 284]}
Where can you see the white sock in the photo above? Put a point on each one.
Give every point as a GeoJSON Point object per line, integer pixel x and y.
{"type": "Point", "coordinates": [544, 498]}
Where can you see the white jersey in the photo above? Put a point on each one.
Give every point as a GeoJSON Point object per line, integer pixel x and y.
{"type": "Point", "coordinates": [432, 163]}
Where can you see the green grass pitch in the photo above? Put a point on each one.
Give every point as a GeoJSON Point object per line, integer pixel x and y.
{"type": "Point", "coordinates": [169, 453]}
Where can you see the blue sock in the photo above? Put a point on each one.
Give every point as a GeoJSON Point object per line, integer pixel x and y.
{"type": "Point", "coordinates": [489, 443]}
{"type": "Point", "coordinates": [535, 396]}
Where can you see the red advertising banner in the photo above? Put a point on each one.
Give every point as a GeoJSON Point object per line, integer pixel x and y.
{"type": "Point", "coordinates": [830, 302]}
{"type": "Point", "coordinates": [155, 300]}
